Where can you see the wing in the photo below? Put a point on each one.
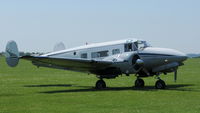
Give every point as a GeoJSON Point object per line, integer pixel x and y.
{"type": "Point", "coordinates": [82, 65]}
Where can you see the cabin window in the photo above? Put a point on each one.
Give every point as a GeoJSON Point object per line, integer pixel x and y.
{"type": "Point", "coordinates": [74, 53]}
{"type": "Point", "coordinates": [95, 55]}
{"type": "Point", "coordinates": [84, 55]}
{"type": "Point", "coordinates": [99, 54]}
{"type": "Point", "coordinates": [115, 51]}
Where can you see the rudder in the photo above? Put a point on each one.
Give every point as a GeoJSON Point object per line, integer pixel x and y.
{"type": "Point", "coordinates": [12, 54]}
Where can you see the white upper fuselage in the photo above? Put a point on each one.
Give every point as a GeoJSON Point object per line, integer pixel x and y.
{"type": "Point", "coordinates": [111, 48]}
{"type": "Point", "coordinates": [91, 48]}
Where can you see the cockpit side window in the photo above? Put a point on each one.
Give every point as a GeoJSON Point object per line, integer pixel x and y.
{"type": "Point", "coordinates": [141, 44]}
{"type": "Point", "coordinates": [129, 47]}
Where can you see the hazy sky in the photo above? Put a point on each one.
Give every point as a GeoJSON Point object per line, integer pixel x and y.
{"type": "Point", "coordinates": [37, 25]}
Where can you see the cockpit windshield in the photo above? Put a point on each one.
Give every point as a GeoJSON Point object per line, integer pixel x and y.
{"type": "Point", "coordinates": [141, 44]}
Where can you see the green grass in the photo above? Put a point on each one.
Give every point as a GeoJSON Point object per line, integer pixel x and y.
{"type": "Point", "coordinates": [27, 89]}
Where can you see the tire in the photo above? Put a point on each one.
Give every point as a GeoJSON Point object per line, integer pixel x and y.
{"type": "Point", "coordinates": [139, 83]}
{"type": "Point", "coordinates": [100, 84]}
{"type": "Point", "coordinates": [160, 84]}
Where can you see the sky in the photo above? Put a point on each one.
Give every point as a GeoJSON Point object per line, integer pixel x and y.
{"type": "Point", "coordinates": [37, 25]}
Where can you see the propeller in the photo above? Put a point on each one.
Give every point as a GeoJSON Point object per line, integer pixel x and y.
{"type": "Point", "coordinates": [175, 75]}
{"type": "Point", "coordinates": [137, 62]}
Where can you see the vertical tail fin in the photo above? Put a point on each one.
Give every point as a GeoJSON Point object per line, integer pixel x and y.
{"type": "Point", "coordinates": [59, 46]}
{"type": "Point", "coordinates": [12, 54]}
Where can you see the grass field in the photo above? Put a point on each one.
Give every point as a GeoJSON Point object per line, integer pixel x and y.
{"type": "Point", "coordinates": [27, 89]}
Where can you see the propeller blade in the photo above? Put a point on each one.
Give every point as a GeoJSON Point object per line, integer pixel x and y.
{"type": "Point", "coordinates": [175, 75]}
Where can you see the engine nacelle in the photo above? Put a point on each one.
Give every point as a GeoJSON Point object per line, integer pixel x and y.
{"type": "Point", "coordinates": [127, 63]}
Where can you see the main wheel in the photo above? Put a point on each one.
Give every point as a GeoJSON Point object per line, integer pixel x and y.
{"type": "Point", "coordinates": [139, 83]}
{"type": "Point", "coordinates": [160, 84]}
{"type": "Point", "coordinates": [100, 84]}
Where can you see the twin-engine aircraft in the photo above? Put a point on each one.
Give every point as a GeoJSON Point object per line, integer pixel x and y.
{"type": "Point", "coordinates": [108, 60]}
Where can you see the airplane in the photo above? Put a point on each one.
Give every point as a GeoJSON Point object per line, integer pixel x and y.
{"type": "Point", "coordinates": [108, 60]}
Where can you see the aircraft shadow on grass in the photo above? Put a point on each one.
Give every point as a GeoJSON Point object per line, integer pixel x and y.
{"type": "Point", "coordinates": [50, 85]}
{"type": "Point", "coordinates": [178, 87]}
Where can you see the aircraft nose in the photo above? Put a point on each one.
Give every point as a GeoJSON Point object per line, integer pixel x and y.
{"type": "Point", "coordinates": [181, 56]}
{"type": "Point", "coordinates": [184, 57]}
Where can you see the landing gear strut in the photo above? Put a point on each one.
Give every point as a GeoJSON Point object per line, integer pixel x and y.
{"type": "Point", "coordinates": [160, 84]}
{"type": "Point", "coordinates": [139, 83]}
{"type": "Point", "coordinates": [100, 84]}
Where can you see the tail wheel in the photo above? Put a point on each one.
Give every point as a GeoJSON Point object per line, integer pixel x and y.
{"type": "Point", "coordinates": [160, 84]}
{"type": "Point", "coordinates": [100, 84]}
{"type": "Point", "coordinates": [139, 83]}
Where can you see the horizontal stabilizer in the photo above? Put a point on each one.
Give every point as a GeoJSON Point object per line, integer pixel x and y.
{"type": "Point", "coordinates": [12, 54]}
